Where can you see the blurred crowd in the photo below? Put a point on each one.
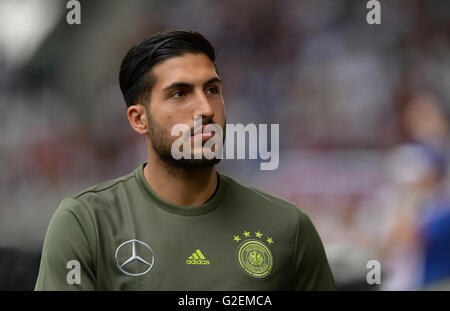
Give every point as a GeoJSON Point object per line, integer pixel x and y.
{"type": "Point", "coordinates": [363, 113]}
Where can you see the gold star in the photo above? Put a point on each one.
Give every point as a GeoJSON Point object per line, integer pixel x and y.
{"type": "Point", "coordinates": [246, 233]}
{"type": "Point", "coordinates": [237, 238]}
{"type": "Point", "coordinates": [269, 240]}
{"type": "Point", "coordinates": [258, 234]}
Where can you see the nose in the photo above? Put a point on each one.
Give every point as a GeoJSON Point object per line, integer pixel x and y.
{"type": "Point", "coordinates": [203, 107]}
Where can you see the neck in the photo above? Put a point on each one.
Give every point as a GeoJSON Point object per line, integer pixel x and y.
{"type": "Point", "coordinates": [186, 187]}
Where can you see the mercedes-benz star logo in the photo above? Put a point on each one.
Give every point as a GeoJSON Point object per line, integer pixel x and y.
{"type": "Point", "coordinates": [146, 252]}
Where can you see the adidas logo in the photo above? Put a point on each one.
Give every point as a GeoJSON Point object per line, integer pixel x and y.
{"type": "Point", "coordinates": [197, 258]}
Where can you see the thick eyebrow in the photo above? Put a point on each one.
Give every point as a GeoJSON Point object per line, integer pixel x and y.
{"type": "Point", "coordinates": [212, 80]}
{"type": "Point", "coordinates": [188, 85]}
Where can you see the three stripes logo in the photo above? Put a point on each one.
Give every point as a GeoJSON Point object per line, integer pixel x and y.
{"type": "Point", "coordinates": [197, 258]}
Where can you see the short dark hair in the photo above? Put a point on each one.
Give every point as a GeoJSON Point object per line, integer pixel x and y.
{"type": "Point", "coordinates": [140, 59]}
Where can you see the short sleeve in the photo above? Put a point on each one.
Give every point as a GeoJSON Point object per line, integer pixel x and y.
{"type": "Point", "coordinates": [311, 269]}
{"type": "Point", "coordinates": [68, 261]}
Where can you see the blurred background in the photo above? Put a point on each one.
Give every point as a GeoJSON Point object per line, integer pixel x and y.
{"type": "Point", "coordinates": [363, 113]}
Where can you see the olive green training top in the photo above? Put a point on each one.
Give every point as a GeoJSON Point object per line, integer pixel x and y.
{"type": "Point", "coordinates": [120, 235]}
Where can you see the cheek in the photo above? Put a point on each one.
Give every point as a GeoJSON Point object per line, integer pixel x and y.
{"type": "Point", "coordinates": [164, 118]}
{"type": "Point", "coordinates": [169, 122]}
{"type": "Point", "coordinates": [220, 113]}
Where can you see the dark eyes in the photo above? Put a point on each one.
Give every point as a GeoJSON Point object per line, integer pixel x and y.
{"type": "Point", "coordinates": [181, 93]}
{"type": "Point", "coordinates": [212, 90]}
{"type": "Point", "coordinates": [178, 94]}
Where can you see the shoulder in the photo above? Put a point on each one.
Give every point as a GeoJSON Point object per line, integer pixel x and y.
{"type": "Point", "coordinates": [107, 191]}
{"type": "Point", "coordinates": [105, 187]}
{"type": "Point", "coordinates": [263, 201]}
{"type": "Point", "coordinates": [98, 198]}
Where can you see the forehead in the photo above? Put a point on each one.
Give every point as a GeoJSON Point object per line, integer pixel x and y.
{"type": "Point", "coordinates": [189, 68]}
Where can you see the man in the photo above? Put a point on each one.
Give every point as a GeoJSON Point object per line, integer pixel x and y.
{"type": "Point", "coordinates": [178, 224]}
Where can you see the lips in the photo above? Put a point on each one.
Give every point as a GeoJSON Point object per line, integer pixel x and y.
{"type": "Point", "coordinates": [199, 133]}
{"type": "Point", "coordinates": [204, 136]}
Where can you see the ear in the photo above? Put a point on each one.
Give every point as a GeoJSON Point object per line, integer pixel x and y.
{"type": "Point", "coordinates": [138, 118]}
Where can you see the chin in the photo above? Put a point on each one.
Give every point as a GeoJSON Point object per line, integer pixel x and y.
{"type": "Point", "coordinates": [196, 163]}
